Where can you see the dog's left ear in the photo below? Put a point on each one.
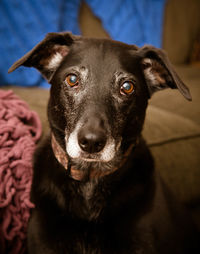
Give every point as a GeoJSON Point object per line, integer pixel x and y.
{"type": "Point", "coordinates": [47, 55]}
{"type": "Point", "coordinates": [159, 73]}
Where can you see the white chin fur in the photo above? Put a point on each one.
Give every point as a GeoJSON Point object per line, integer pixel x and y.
{"type": "Point", "coordinates": [74, 151]}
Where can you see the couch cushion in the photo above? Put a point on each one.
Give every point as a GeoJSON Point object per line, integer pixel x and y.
{"type": "Point", "coordinates": [179, 165]}
{"type": "Point", "coordinates": [162, 126]}
{"type": "Point", "coordinates": [175, 144]}
{"type": "Point", "coordinates": [173, 140]}
{"type": "Point", "coordinates": [171, 100]}
{"type": "Point", "coordinates": [181, 27]}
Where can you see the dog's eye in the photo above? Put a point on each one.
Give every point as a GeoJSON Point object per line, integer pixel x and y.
{"type": "Point", "coordinates": [72, 80]}
{"type": "Point", "coordinates": [127, 88]}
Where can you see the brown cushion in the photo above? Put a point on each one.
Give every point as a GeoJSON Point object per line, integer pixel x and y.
{"type": "Point", "coordinates": [173, 140]}
{"type": "Point", "coordinates": [181, 26]}
{"type": "Point", "coordinates": [162, 126]}
{"type": "Point", "coordinates": [175, 144]}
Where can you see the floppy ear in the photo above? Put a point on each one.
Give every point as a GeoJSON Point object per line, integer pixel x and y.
{"type": "Point", "coordinates": [159, 72]}
{"type": "Point", "coordinates": [48, 54]}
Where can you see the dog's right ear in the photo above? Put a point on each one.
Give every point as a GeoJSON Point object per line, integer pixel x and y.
{"type": "Point", "coordinates": [48, 54]}
{"type": "Point", "coordinates": [159, 72]}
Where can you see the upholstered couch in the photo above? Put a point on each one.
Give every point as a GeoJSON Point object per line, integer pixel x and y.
{"type": "Point", "coordinates": [172, 127]}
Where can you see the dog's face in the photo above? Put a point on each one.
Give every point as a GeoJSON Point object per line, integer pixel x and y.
{"type": "Point", "coordinates": [99, 93]}
{"type": "Point", "coordinates": [97, 100]}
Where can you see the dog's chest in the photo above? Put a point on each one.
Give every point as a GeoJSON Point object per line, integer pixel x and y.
{"type": "Point", "coordinates": [87, 190]}
{"type": "Point", "coordinates": [91, 206]}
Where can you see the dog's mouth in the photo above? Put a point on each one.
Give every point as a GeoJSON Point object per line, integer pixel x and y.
{"type": "Point", "coordinates": [103, 151]}
{"type": "Point", "coordinates": [85, 167]}
{"type": "Point", "coordinates": [88, 159]}
{"type": "Point", "coordinates": [107, 154]}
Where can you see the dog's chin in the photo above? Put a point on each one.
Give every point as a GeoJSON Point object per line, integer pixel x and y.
{"type": "Point", "coordinates": [83, 162]}
{"type": "Point", "coordinates": [91, 159]}
{"type": "Point", "coordinates": [96, 158]}
{"type": "Point", "coordinates": [103, 160]}
{"type": "Point", "coordinates": [106, 155]}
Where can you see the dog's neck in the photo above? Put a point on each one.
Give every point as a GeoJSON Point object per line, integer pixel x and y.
{"type": "Point", "coordinates": [79, 175]}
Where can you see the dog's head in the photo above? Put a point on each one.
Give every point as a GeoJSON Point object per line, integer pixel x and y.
{"type": "Point", "coordinates": [99, 93]}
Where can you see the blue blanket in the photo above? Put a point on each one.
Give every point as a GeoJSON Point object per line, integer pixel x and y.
{"type": "Point", "coordinates": [24, 23]}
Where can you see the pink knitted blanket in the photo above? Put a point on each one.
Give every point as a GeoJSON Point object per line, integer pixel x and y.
{"type": "Point", "coordinates": [20, 129]}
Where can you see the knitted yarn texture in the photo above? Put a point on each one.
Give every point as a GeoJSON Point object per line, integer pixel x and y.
{"type": "Point", "coordinates": [20, 129]}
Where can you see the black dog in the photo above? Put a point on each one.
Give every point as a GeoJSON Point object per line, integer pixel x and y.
{"type": "Point", "coordinates": [94, 184]}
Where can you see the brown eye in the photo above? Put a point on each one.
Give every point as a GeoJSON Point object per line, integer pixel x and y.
{"type": "Point", "coordinates": [127, 88]}
{"type": "Point", "coordinates": [72, 80]}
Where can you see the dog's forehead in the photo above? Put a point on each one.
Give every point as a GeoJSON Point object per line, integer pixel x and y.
{"type": "Point", "coordinates": [105, 45]}
{"type": "Point", "coordinates": [102, 52]}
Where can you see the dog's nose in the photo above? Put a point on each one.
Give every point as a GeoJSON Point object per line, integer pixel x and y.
{"type": "Point", "coordinates": [91, 141]}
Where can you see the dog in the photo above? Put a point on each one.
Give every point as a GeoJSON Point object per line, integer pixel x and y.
{"type": "Point", "coordinates": [94, 185]}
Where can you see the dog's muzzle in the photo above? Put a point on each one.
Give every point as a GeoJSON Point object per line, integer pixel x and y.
{"type": "Point", "coordinates": [79, 175]}
{"type": "Point", "coordinates": [91, 140]}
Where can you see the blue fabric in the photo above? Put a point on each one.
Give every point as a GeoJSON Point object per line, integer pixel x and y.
{"type": "Point", "coordinates": [131, 21]}
{"type": "Point", "coordinates": [24, 23]}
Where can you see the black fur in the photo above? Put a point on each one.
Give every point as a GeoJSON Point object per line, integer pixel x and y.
{"type": "Point", "coordinates": [130, 210]}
